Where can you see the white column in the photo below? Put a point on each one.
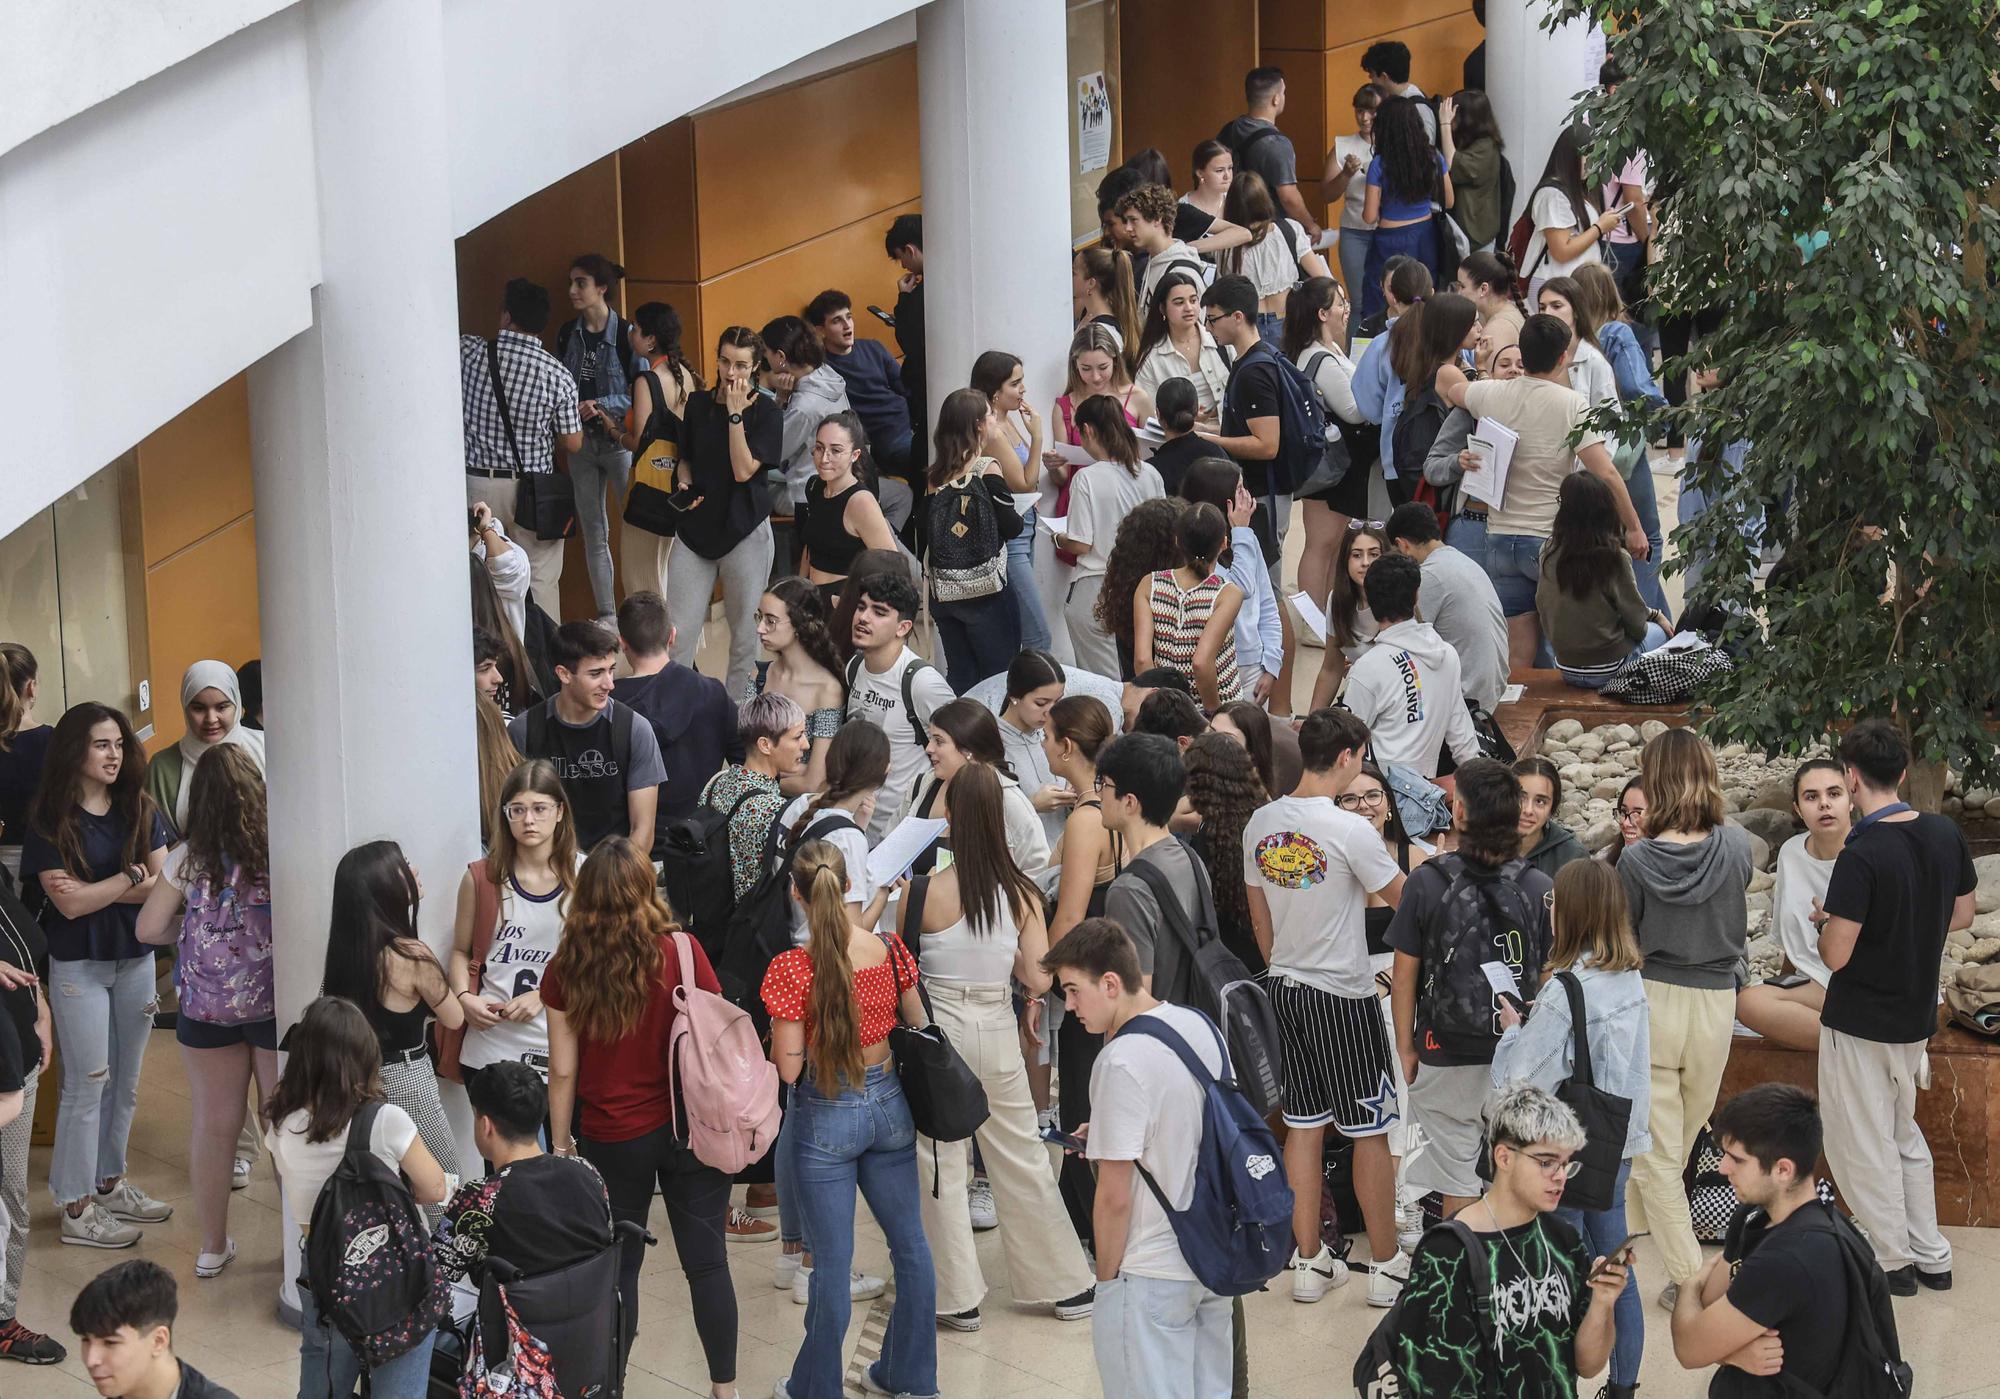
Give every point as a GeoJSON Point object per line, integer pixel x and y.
{"type": "Point", "coordinates": [361, 553]}
{"type": "Point", "coordinates": [1534, 76]}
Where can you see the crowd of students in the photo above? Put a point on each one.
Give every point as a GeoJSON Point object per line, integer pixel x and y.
{"type": "Point", "coordinates": [1091, 776]}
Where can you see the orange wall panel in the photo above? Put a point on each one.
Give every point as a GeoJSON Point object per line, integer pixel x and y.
{"type": "Point", "coordinates": [194, 472]}
{"type": "Point", "coordinates": [200, 603]}
{"type": "Point", "coordinates": [1291, 24]}
{"type": "Point", "coordinates": [1173, 104]}
{"type": "Point", "coordinates": [656, 177]}
{"type": "Point", "coordinates": [1437, 62]}
{"type": "Point", "coordinates": [536, 238]}
{"type": "Point", "coordinates": [851, 134]}
{"type": "Point", "coordinates": [1347, 23]}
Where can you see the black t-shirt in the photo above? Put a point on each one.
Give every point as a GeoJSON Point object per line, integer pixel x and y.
{"type": "Point", "coordinates": [730, 510]}
{"type": "Point", "coordinates": [1791, 1282]}
{"type": "Point", "coordinates": [1177, 454]}
{"type": "Point", "coordinates": [1898, 880]}
{"type": "Point", "coordinates": [1254, 392]}
{"type": "Point", "coordinates": [23, 945]}
{"type": "Point", "coordinates": [540, 1214]}
{"type": "Point", "coordinates": [13, 1058]}
{"type": "Point", "coordinates": [20, 774]}
{"type": "Point", "coordinates": [1190, 222]}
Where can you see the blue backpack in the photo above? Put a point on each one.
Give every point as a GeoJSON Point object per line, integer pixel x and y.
{"type": "Point", "coordinates": [1302, 424]}
{"type": "Point", "coordinates": [1236, 1233]}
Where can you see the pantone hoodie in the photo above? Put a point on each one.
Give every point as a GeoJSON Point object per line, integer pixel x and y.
{"type": "Point", "coordinates": [1406, 689]}
{"type": "Point", "coordinates": [1688, 908]}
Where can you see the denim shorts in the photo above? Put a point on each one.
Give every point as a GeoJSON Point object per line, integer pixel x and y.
{"type": "Point", "coordinates": [1514, 563]}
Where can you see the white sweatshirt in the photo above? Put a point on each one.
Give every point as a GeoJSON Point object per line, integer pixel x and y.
{"type": "Point", "coordinates": [1406, 689]}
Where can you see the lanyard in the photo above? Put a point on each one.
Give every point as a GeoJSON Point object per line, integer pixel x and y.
{"type": "Point", "coordinates": [1872, 817]}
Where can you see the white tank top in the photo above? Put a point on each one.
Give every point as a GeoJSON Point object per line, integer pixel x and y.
{"type": "Point", "coordinates": [961, 955]}
{"type": "Point", "coordinates": [523, 944]}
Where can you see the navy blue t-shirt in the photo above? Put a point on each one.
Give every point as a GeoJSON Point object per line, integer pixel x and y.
{"type": "Point", "coordinates": [20, 774]}
{"type": "Point", "coordinates": [111, 933]}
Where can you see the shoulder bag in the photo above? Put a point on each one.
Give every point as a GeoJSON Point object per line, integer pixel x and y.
{"type": "Point", "coordinates": [544, 501]}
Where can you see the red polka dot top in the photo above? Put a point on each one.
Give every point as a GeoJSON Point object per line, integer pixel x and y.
{"type": "Point", "coordinates": [788, 987]}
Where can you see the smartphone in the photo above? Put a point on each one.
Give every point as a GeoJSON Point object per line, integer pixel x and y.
{"type": "Point", "coordinates": [1618, 1252]}
{"type": "Point", "coordinates": [1622, 210]}
{"type": "Point", "coordinates": [686, 498]}
{"type": "Point", "coordinates": [886, 317]}
{"type": "Point", "coordinates": [1062, 1139]}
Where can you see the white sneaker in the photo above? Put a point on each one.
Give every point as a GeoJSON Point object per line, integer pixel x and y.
{"type": "Point", "coordinates": [861, 1287]}
{"type": "Point", "coordinates": [95, 1228]}
{"type": "Point", "coordinates": [207, 1265]}
{"type": "Point", "coordinates": [1386, 1279]}
{"type": "Point", "coordinates": [239, 1174]}
{"type": "Point", "coordinates": [979, 1196]}
{"type": "Point", "coordinates": [1409, 1225]}
{"type": "Point", "coordinates": [128, 1202]}
{"type": "Point", "coordinates": [785, 1270]}
{"type": "Point", "coordinates": [1313, 1278]}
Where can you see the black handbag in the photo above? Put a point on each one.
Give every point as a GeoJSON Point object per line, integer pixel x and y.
{"type": "Point", "coordinates": [544, 501]}
{"type": "Point", "coordinates": [947, 1100]}
{"type": "Point", "coordinates": [1605, 1116]}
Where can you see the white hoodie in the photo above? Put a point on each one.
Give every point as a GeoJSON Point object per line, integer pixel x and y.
{"type": "Point", "coordinates": [1406, 689]}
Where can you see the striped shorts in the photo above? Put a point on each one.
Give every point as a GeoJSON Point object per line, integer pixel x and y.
{"type": "Point", "coordinates": [1338, 1068]}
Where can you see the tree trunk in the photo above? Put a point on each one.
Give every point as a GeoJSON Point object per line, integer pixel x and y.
{"type": "Point", "coordinates": [1925, 785]}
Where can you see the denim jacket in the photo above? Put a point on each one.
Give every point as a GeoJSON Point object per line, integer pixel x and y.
{"type": "Point", "coordinates": [1618, 1027]}
{"type": "Point", "coordinates": [614, 388]}
{"type": "Point", "coordinates": [1628, 363]}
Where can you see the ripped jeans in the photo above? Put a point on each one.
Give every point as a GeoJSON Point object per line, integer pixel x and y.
{"type": "Point", "coordinates": [103, 1014]}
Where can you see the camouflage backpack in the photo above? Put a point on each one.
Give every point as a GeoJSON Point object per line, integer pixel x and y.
{"type": "Point", "coordinates": [1480, 918]}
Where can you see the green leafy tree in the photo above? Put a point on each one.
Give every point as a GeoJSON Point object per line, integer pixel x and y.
{"type": "Point", "coordinates": [1830, 176]}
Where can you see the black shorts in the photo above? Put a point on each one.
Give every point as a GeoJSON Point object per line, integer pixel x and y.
{"type": "Point", "coordinates": [199, 1034]}
{"type": "Point", "coordinates": [1336, 1057]}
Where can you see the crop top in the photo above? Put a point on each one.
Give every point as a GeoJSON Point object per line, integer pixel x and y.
{"type": "Point", "coordinates": [824, 528]}
{"type": "Point", "coordinates": [877, 990]}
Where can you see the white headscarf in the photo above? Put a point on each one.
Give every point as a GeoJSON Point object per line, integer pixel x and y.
{"type": "Point", "coordinates": [211, 675]}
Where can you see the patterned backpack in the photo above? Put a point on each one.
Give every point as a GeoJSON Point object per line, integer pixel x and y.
{"type": "Point", "coordinates": [225, 951]}
{"type": "Point", "coordinates": [368, 1258]}
{"type": "Point", "coordinates": [525, 1372]}
{"type": "Point", "coordinates": [1480, 918]}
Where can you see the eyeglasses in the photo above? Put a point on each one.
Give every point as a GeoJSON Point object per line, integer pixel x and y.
{"type": "Point", "coordinates": [1213, 317]}
{"type": "Point", "coordinates": [1097, 785]}
{"type": "Point", "coordinates": [1349, 801]}
{"type": "Point", "coordinates": [1629, 813]}
{"type": "Point", "coordinates": [541, 811]}
{"type": "Point", "coordinates": [1561, 1166]}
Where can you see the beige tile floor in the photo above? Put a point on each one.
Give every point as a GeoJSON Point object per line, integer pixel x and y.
{"type": "Point", "coordinates": [228, 1330]}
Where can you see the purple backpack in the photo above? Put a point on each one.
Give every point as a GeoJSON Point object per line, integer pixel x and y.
{"type": "Point", "coordinates": [225, 951]}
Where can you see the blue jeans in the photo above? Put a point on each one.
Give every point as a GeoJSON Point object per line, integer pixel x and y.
{"type": "Point", "coordinates": [1604, 1230]}
{"type": "Point", "coordinates": [1022, 588]}
{"type": "Point", "coordinates": [1353, 249]}
{"type": "Point", "coordinates": [1655, 638]}
{"type": "Point", "coordinates": [1417, 240]}
{"type": "Point", "coordinates": [595, 468]}
{"type": "Point", "coordinates": [1514, 563]}
{"type": "Point", "coordinates": [1646, 504]}
{"type": "Point", "coordinates": [1271, 327]}
{"type": "Point", "coordinates": [861, 1139]}
{"type": "Point", "coordinates": [329, 1368]}
{"type": "Point", "coordinates": [103, 1013]}
{"type": "Point", "coordinates": [1468, 536]}
{"type": "Point", "coordinates": [1157, 1336]}
{"type": "Point", "coordinates": [980, 637]}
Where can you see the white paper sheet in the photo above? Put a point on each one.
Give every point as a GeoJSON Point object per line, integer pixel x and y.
{"type": "Point", "coordinates": [1075, 456]}
{"type": "Point", "coordinates": [891, 860]}
{"type": "Point", "coordinates": [1358, 346]}
{"type": "Point", "coordinates": [1683, 641]}
{"type": "Point", "coordinates": [1499, 976]}
{"type": "Point", "coordinates": [1493, 444]}
{"type": "Point", "coordinates": [1512, 694]}
{"type": "Point", "coordinates": [1054, 524]}
{"type": "Point", "coordinates": [1311, 616]}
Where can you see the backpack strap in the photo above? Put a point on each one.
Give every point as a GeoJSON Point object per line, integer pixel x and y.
{"type": "Point", "coordinates": [537, 734]}
{"type": "Point", "coordinates": [853, 669]}
{"type": "Point", "coordinates": [621, 735]}
{"type": "Point", "coordinates": [1482, 1275]}
{"type": "Point", "coordinates": [1580, 1071]}
{"type": "Point", "coordinates": [828, 821]}
{"type": "Point", "coordinates": [361, 1127]}
{"type": "Point", "coordinates": [485, 917]}
{"type": "Point", "coordinates": [919, 728]}
{"type": "Point", "coordinates": [1171, 913]}
{"type": "Point", "coordinates": [913, 906]}
{"type": "Point", "coordinates": [683, 945]}
{"type": "Point", "coordinates": [1153, 1028]}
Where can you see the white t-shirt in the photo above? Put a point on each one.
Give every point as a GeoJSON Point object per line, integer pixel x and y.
{"type": "Point", "coordinates": [509, 572]}
{"type": "Point", "coordinates": [522, 947]}
{"type": "Point", "coordinates": [1316, 866]}
{"type": "Point", "coordinates": [1101, 495]}
{"type": "Point", "coordinates": [1272, 263]}
{"type": "Point", "coordinates": [1801, 879]}
{"type": "Point", "coordinates": [304, 1166]}
{"type": "Point", "coordinates": [1146, 1107]}
{"type": "Point", "coordinates": [1551, 209]}
{"type": "Point", "coordinates": [850, 841]}
{"type": "Point", "coordinates": [879, 700]}
{"type": "Point", "coordinates": [1332, 373]}
{"type": "Point", "coordinates": [1357, 188]}
{"type": "Point", "coordinates": [1543, 414]}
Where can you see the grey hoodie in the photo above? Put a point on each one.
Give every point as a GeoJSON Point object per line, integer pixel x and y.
{"type": "Point", "coordinates": [815, 397]}
{"type": "Point", "coordinates": [1688, 907]}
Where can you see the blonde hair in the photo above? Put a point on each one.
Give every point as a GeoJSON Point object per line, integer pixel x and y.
{"type": "Point", "coordinates": [1094, 336]}
{"type": "Point", "coordinates": [536, 775]}
{"type": "Point", "coordinates": [833, 1016]}
{"type": "Point", "coordinates": [498, 757]}
{"type": "Point", "coordinates": [1683, 787]}
{"type": "Point", "coordinates": [1592, 922]}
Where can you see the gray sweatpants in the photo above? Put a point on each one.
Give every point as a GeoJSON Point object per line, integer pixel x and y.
{"type": "Point", "coordinates": [745, 572]}
{"type": "Point", "coordinates": [595, 468]}
{"type": "Point", "coordinates": [1880, 1160]}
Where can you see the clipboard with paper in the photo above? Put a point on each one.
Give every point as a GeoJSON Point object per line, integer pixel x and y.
{"type": "Point", "coordinates": [1492, 445]}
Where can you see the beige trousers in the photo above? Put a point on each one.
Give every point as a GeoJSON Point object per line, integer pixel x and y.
{"type": "Point", "coordinates": [1880, 1160]}
{"type": "Point", "coordinates": [642, 563]}
{"type": "Point", "coordinates": [1045, 1263]}
{"type": "Point", "coordinates": [545, 556]}
{"type": "Point", "coordinates": [1690, 1043]}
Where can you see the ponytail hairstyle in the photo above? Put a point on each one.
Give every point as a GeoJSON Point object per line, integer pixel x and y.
{"type": "Point", "coordinates": [857, 761]}
{"type": "Point", "coordinates": [1495, 271]}
{"type": "Point", "coordinates": [1427, 336]}
{"type": "Point", "coordinates": [17, 672]}
{"type": "Point", "coordinates": [1302, 311]}
{"type": "Point", "coordinates": [833, 1019]}
{"type": "Point", "coordinates": [979, 856]}
{"type": "Point", "coordinates": [661, 324]}
{"type": "Point", "coordinates": [1213, 480]}
{"type": "Point", "coordinates": [1104, 416]}
{"type": "Point", "coordinates": [1110, 269]}
{"type": "Point", "coordinates": [600, 269]}
{"type": "Point", "coordinates": [849, 422]}
{"type": "Point", "coordinates": [974, 731]}
{"type": "Point", "coordinates": [1202, 534]}
{"type": "Point", "coordinates": [1175, 404]}
{"type": "Point", "coordinates": [806, 609]}
{"type": "Point", "coordinates": [959, 435]}
{"type": "Point", "coordinates": [1156, 312]}
{"type": "Point", "coordinates": [1084, 720]}
{"type": "Point", "coordinates": [1582, 322]}
{"type": "Point", "coordinates": [1410, 283]}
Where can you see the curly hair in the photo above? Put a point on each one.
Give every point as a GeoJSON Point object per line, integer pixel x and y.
{"type": "Point", "coordinates": [1153, 203]}
{"type": "Point", "coordinates": [609, 956]}
{"type": "Point", "coordinates": [1147, 541]}
{"type": "Point", "coordinates": [812, 622]}
{"type": "Point", "coordinates": [228, 821]}
{"type": "Point", "coordinates": [1409, 161]}
{"type": "Point", "coordinates": [1223, 788]}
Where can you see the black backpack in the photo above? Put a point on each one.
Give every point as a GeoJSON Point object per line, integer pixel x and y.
{"type": "Point", "coordinates": [368, 1259]}
{"type": "Point", "coordinates": [1416, 430]}
{"type": "Point", "coordinates": [968, 540]}
{"type": "Point", "coordinates": [1606, 1117]}
{"type": "Point", "coordinates": [697, 874]}
{"type": "Point", "coordinates": [1214, 981]}
{"type": "Point", "coordinates": [1375, 1369]}
{"type": "Point", "coordinates": [760, 923]}
{"type": "Point", "coordinates": [920, 732]}
{"type": "Point", "coordinates": [1871, 1356]}
{"type": "Point", "coordinates": [1479, 917]}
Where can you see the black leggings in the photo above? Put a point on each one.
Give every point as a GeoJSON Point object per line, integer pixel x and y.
{"type": "Point", "coordinates": [1076, 1052]}
{"type": "Point", "coordinates": [697, 1199]}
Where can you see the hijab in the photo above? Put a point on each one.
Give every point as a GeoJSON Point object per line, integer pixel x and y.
{"type": "Point", "coordinates": [211, 675]}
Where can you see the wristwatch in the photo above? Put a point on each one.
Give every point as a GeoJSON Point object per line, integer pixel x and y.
{"type": "Point", "coordinates": [735, 418]}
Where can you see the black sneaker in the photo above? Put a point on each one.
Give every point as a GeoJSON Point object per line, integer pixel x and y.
{"type": "Point", "coordinates": [960, 1321]}
{"type": "Point", "coordinates": [1076, 1308]}
{"type": "Point", "coordinates": [17, 1342]}
{"type": "Point", "coordinates": [1936, 1282]}
{"type": "Point", "coordinates": [1903, 1281]}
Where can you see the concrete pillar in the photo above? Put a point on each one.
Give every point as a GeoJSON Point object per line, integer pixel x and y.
{"type": "Point", "coordinates": [1534, 76]}
{"type": "Point", "coordinates": [361, 536]}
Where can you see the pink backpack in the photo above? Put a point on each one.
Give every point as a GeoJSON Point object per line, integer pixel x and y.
{"type": "Point", "coordinates": [225, 951]}
{"type": "Point", "coordinates": [726, 1086]}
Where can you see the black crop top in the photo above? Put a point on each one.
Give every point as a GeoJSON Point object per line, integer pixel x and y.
{"type": "Point", "coordinates": [824, 528]}
{"type": "Point", "coordinates": [399, 1030]}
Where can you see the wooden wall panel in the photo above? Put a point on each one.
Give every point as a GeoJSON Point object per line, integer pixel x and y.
{"type": "Point", "coordinates": [200, 603]}
{"type": "Point", "coordinates": [1437, 62]}
{"type": "Point", "coordinates": [850, 134]}
{"type": "Point", "coordinates": [656, 184]}
{"type": "Point", "coordinates": [194, 472]}
{"type": "Point", "coordinates": [1169, 102]}
{"type": "Point", "coordinates": [1292, 24]}
{"type": "Point", "coordinates": [1347, 23]}
{"type": "Point", "coordinates": [536, 239]}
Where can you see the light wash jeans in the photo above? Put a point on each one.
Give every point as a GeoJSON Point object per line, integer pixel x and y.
{"type": "Point", "coordinates": [595, 468]}
{"type": "Point", "coordinates": [1602, 1231]}
{"type": "Point", "coordinates": [1353, 249]}
{"type": "Point", "coordinates": [1654, 639]}
{"type": "Point", "coordinates": [1154, 1336]}
{"type": "Point", "coordinates": [1646, 505]}
{"type": "Point", "coordinates": [1023, 588]}
{"type": "Point", "coordinates": [861, 1140]}
{"type": "Point", "coordinates": [103, 1015]}
{"type": "Point", "coordinates": [329, 1368]}
{"type": "Point", "coordinates": [745, 572]}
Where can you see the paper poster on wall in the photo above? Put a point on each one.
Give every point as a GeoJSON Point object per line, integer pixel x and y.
{"type": "Point", "coordinates": [1093, 123]}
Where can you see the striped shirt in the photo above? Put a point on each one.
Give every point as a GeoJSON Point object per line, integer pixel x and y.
{"type": "Point", "coordinates": [1179, 617]}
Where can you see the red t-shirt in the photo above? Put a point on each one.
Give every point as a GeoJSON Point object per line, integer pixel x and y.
{"type": "Point", "coordinates": [788, 988]}
{"type": "Point", "coordinates": [623, 1087]}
